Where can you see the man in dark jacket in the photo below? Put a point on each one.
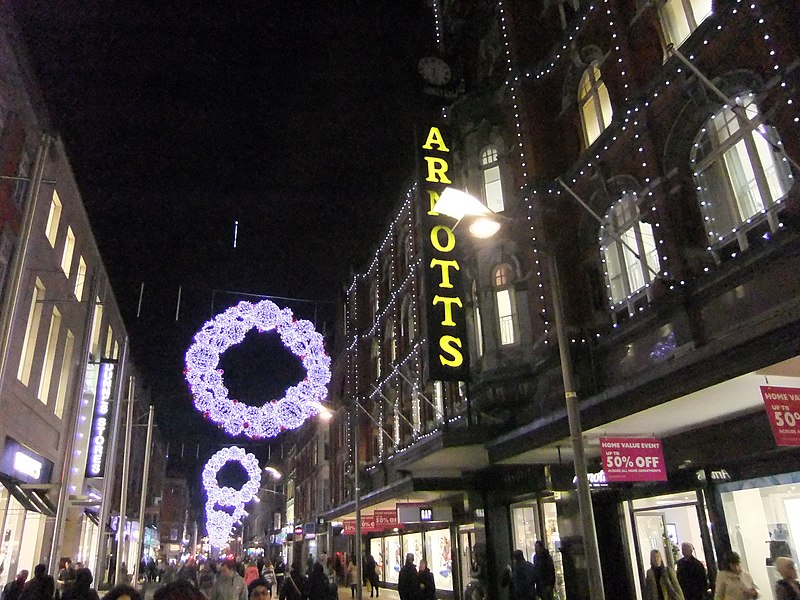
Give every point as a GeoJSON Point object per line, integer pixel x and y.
{"type": "Point", "coordinates": [41, 587]}
{"type": "Point", "coordinates": [407, 580]}
{"type": "Point", "coordinates": [14, 588]}
{"type": "Point", "coordinates": [544, 571]}
{"type": "Point", "coordinates": [427, 586]}
{"type": "Point", "coordinates": [691, 574]}
{"type": "Point", "coordinates": [523, 579]}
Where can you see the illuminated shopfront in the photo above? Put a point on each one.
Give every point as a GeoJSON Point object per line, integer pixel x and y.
{"type": "Point", "coordinates": [537, 520]}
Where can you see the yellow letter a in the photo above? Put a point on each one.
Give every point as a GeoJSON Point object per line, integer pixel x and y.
{"type": "Point", "coordinates": [435, 137]}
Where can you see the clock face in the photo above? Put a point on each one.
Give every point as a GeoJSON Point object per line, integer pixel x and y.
{"type": "Point", "coordinates": [434, 70]}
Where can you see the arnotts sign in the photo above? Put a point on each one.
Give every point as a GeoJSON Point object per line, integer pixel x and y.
{"type": "Point", "coordinates": [448, 355]}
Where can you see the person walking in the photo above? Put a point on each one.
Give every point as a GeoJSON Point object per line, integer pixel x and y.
{"type": "Point", "coordinates": [205, 579]}
{"type": "Point", "coordinates": [66, 576]}
{"type": "Point", "coordinates": [734, 583]}
{"type": "Point", "coordinates": [230, 585]}
{"type": "Point", "coordinates": [787, 587]}
{"type": "Point", "coordinates": [294, 585]}
{"type": "Point", "coordinates": [523, 580]}
{"type": "Point", "coordinates": [426, 586]}
{"type": "Point", "coordinates": [544, 571]}
{"type": "Point", "coordinates": [660, 582]}
{"type": "Point", "coordinates": [318, 584]}
{"type": "Point", "coordinates": [280, 573]}
{"type": "Point", "coordinates": [407, 580]}
{"type": "Point", "coordinates": [40, 587]}
{"type": "Point", "coordinates": [691, 574]}
{"type": "Point", "coordinates": [352, 575]}
{"type": "Point", "coordinates": [268, 574]}
{"type": "Point", "coordinates": [251, 573]}
{"type": "Point", "coordinates": [14, 587]}
{"type": "Point", "coordinates": [371, 574]}
{"type": "Point", "coordinates": [82, 590]}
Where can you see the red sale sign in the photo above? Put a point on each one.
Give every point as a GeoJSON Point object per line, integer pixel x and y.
{"type": "Point", "coordinates": [783, 411]}
{"type": "Point", "coordinates": [386, 519]}
{"type": "Point", "coordinates": [633, 459]}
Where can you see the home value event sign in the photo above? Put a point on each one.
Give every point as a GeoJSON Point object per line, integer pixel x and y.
{"type": "Point", "coordinates": [783, 411]}
{"type": "Point", "coordinates": [633, 459]}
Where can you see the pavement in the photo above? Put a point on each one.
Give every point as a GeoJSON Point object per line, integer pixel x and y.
{"type": "Point", "coordinates": [149, 589]}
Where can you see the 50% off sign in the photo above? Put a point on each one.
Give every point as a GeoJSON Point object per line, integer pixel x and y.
{"type": "Point", "coordinates": [783, 411]}
{"type": "Point", "coordinates": [633, 459]}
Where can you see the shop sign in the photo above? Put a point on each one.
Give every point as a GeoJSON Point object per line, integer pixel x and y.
{"type": "Point", "coordinates": [349, 527]}
{"type": "Point", "coordinates": [298, 530]}
{"type": "Point", "coordinates": [783, 411]}
{"type": "Point", "coordinates": [386, 519]}
{"type": "Point", "coordinates": [425, 514]}
{"type": "Point", "coordinates": [417, 513]}
{"type": "Point", "coordinates": [633, 459]}
{"type": "Point", "coordinates": [445, 305]}
{"type": "Point", "coordinates": [367, 525]}
{"type": "Point", "coordinates": [101, 422]}
{"type": "Point", "coordinates": [24, 464]}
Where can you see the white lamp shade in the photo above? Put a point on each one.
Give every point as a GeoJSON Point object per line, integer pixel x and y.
{"type": "Point", "coordinates": [457, 204]}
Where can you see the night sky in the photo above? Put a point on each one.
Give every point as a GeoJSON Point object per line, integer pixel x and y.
{"type": "Point", "coordinates": [294, 118]}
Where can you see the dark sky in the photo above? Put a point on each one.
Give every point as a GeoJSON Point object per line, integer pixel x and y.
{"type": "Point", "coordinates": [294, 118]}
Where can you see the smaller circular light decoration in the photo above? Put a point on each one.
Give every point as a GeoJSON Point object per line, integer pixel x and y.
{"type": "Point", "coordinates": [228, 329]}
{"type": "Point", "coordinates": [219, 523]}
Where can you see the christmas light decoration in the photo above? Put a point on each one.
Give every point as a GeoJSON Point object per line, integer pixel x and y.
{"type": "Point", "coordinates": [228, 329]}
{"type": "Point", "coordinates": [220, 523]}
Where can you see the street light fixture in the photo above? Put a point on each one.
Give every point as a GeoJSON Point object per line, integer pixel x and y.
{"type": "Point", "coordinates": [460, 205]}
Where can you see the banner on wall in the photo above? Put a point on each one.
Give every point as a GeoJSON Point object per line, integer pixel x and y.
{"type": "Point", "coordinates": [386, 519]}
{"type": "Point", "coordinates": [367, 525]}
{"type": "Point", "coordinates": [633, 459]}
{"type": "Point", "coordinates": [783, 411]}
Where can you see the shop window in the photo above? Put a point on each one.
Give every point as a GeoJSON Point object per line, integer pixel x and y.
{"type": "Point", "coordinates": [53, 219]}
{"type": "Point", "coordinates": [492, 181]}
{"type": "Point", "coordinates": [476, 312]}
{"type": "Point", "coordinates": [31, 332]}
{"type": "Point", "coordinates": [741, 177]}
{"type": "Point", "coordinates": [679, 18]}
{"type": "Point", "coordinates": [69, 249]}
{"type": "Point", "coordinates": [629, 250]}
{"type": "Point", "coordinates": [594, 103]}
{"type": "Point", "coordinates": [538, 520]}
{"type": "Point", "coordinates": [506, 310]}
{"type": "Point", "coordinates": [439, 554]}
{"type": "Point", "coordinates": [49, 356]}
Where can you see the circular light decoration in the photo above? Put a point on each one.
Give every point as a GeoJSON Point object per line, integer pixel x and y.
{"type": "Point", "coordinates": [228, 329]}
{"type": "Point", "coordinates": [220, 523]}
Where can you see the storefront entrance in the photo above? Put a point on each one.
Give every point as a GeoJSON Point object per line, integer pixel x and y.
{"type": "Point", "coordinates": [538, 520]}
{"type": "Point", "coordinates": [663, 523]}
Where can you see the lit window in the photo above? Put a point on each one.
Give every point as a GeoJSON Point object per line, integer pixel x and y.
{"type": "Point", "coordinates": [23, 170]}
{"type": "Point", "coordinates": [628, 264]}
{"type": "Point", "coordinates": [49, 356]}
{"type": "Point", "coordinates": [109, 342]}
{"type": "Point", "coordinates": [53, 219]}
{"type": "Point", "coordinates": [679, 18]}
{"type": "Point", "coordinates": [97, 321]}
{"type": "Point", "coordinates": [69, 249]}
{"type": "Point", "coordinates": [477, 316]}
{"type": "Point", "coordinates": [492, 183]}
{"type": "Point", "coordinates": [80, 279]}
{"type": "Point", "coordinates": [31, 332]}
{"type": "Point", "coordinates": [506, 313]}
{"type": "Point", "coordinates": [594, 103]}
{"type": "Point", "coordinates": [66, 369]}
{"type": "Point", "coordinates": [739, 175]}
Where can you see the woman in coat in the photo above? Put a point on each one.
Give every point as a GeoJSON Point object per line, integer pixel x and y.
{"type": "Point", "coordinates": [733, 583]}
{"type": "Point", "coordinates": [661, 583]}
{"type": "Point", "coordinates": [787, 587]}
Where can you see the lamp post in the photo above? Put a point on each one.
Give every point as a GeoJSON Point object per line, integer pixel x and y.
{"type": "Point", "coordinates": [460, 205]}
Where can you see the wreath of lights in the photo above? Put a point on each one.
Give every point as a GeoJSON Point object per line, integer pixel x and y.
{"type": "Point", "coordinates": [220, 523]}
{"type": "Point", "coordinates": [228, 329]}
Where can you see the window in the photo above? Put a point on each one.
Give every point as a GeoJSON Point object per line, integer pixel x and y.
{"type": "Point", "coordinates": [23, 171]}
{"type": "Point", "coordinates": [740, 176]}
{"type": "Point", "coordinates": [63, 380]}
{"type": "Point", "coordinates": [53, 219]}
{"type": "Point", "coordinates": [6, 247]}
{"type": "Point", "coordinates": [31, 332]}
{"type": "Point", "coordinates": [594, 103]}
{"type": "Point", "coordinates": [506, 314]}
{"type": "Point", "coordinates": [109, 342]}
{"type": "Point", "coordinates": [627, 273]}
{"type": "Point", "coordinates": [49, 356]}
{"type": "Point", "coordinates": [492, 183]}
{"type": "Point", "coordinates": [80, 279]}
{"type": "Point", "coordinates": [69, 249]}
{"type": "Point", "coordinates": [679, 18]}
{"type": "Point", "coordinates": [476, 310]}
{"type": "Point", "coordinates": [97, 321]}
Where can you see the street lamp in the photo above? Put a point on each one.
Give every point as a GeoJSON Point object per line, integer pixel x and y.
{"type": "Point", "coordinates": [460, 205]}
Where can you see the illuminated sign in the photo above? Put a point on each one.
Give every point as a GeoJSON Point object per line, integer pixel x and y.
{"type": "Point", "coordinates": [426, 514]}
{"type": "Point", "coordinates": [101, 422]}
{"type": "Point", "coordinates": [448, 357]}
{"type": "Point", "coordinates": [23, 464]}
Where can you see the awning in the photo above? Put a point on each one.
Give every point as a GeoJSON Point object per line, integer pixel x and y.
{"type": "Point", "coordinates": [93, 516]}
{"type": "Point", "coordinates": [31, 496]}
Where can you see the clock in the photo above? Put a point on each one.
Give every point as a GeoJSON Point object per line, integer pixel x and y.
{"type": "Point", "coordinates": [434, 70]}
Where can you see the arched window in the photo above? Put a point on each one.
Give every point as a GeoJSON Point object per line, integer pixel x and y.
{"type": "Point", "coordinates": [476, 314]}
{"type": "Point", "coordinates": [629, 249]}
{"type": "Point", "coordinates": [492, 182]}
{"type": "Point", "coordinates": [594, 103]}
{"type": "Point", "coordinates": [406, 322]}
{"type": "Point", "coordinates": [506, 309]}
{"type": "Point", "coordinates": [679, 18]}
{"type": "Point", "coordinates": [740, 175]}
